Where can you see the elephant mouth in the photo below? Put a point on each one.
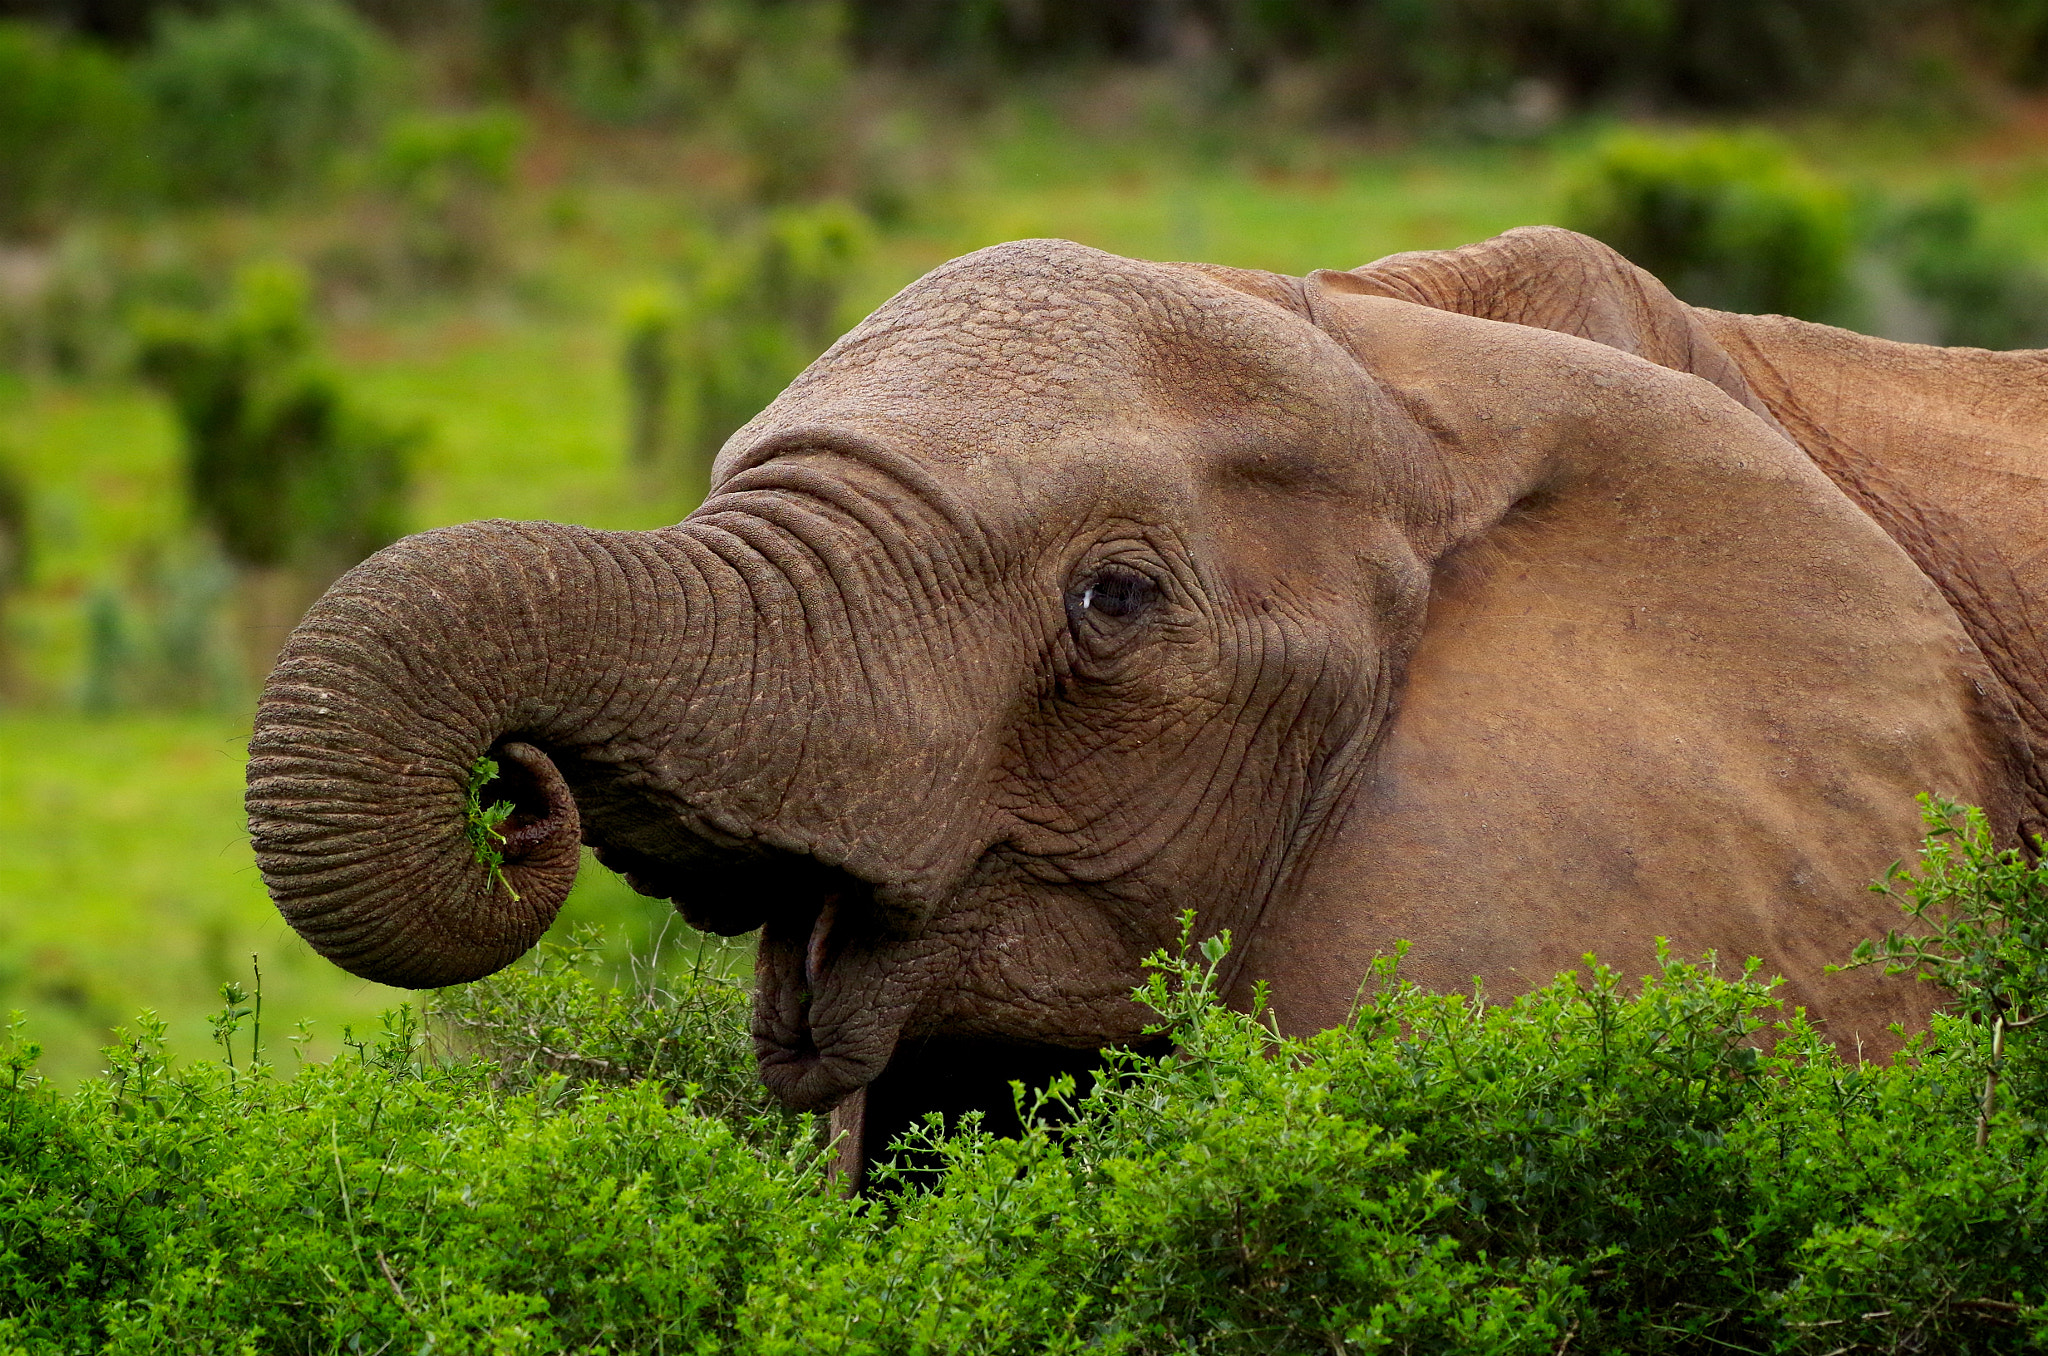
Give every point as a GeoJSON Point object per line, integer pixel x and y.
{"type": "Point", "coordinates": [821, 1028]}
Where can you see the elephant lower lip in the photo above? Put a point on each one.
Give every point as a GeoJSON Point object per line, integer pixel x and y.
{"type": "Point", "coordinates": [807, 1079]}
{"type": "Point", "coordinates": [818, 1031]}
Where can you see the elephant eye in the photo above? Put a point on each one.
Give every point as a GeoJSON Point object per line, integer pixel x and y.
{"type": "Point", "coordinates": [1114, 593]}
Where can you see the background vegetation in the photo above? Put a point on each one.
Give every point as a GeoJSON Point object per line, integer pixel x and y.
{"type": "Point", "coordinates": [280, 279]}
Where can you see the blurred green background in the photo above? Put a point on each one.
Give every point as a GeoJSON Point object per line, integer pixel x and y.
{"type": "Point", "coordinates": [281, 279]}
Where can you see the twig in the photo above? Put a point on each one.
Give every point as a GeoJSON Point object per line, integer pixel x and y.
{"type": "Point", "coordinates": [256, 1035]}
{"type": "Point", "coordinates": [1991, 1081]}
{"type": "Point", "coordinates": [347, 1212]}
{"type": "Point", "coordinates": [2004, 1306]}
{"type": "Point", "coordinates": [1723, 1342]}
{"type": "Point", "coordinates": [385, 1267]}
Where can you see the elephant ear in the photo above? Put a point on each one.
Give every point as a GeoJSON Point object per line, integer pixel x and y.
{"type": "Point", "coordinates": [1553, 279]}
{"type": "Point", "coordinates": [1670, 683]}
{"type": "Point", "coordinates": [1942, 447]}
{"type": "Point", "coordinates": [1947, 448]}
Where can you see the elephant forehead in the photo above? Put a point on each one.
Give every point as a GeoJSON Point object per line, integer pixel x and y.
{"type": "Point", "coordinates": [1025, 341]}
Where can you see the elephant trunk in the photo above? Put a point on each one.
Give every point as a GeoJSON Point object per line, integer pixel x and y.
{"type": "Point", "coordinates": [369, 796]}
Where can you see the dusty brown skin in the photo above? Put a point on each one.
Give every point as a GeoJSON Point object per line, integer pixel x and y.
{"type": "Point", "coordinates": [1438, 600]}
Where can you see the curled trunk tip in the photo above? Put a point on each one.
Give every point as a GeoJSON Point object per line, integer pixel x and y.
{"type": "Point", "coordinates": [406, 815]}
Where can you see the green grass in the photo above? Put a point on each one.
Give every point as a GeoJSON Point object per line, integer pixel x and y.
{"type": "Point", "coordinates": [526, 416]}
{"type": "Point", "coordinates": [125, 877]}
{"type": "Point", "coordinates": [127, 883]}
{"type": "Point", "coordinates": [105, 493]}
{"type": "Point", "coordinates": [130, 884]}
{"type": "Point", "coordinates": [1290, 221]}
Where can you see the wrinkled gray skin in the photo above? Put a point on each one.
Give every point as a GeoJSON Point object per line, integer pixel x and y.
{"type": "Point", "coordinates": [1069, 592]}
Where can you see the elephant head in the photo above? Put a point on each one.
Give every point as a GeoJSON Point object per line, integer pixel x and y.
{"type": "Point", "coordinates": [1069, 592]}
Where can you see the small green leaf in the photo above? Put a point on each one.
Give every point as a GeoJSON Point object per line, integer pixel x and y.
{"type": "Point", "coordinates": [482, 822]}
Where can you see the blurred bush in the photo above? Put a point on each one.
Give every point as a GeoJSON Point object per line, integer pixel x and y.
{"type": "Point", "coordinates": [449, 174]}
{"type": "Point", "coordinates": [1733, 221]}
{"type": "Point", "coordinates": [650, 323]}
{"type": "Point", "coordinates": [1727, 220]}
{"type": "Point", "coordinates": [121, 24]}
{"type": "Point", "coordinates": [64, 306]}
{"type": "Point", "coordinates": [258, 98]}
{"type": "Point", "coordinates": [1367, 56]}
{"type": "Point", "coordinates": [155, 639]}
{"type": "Point", "coordinates": [1384, 57]}
{"type": "Point", "coordinates": [2014, 33]}
{"type": "Point", "coordinates": [1975, 289]}
{"type": "Point", "coordinates": [773, 83]}
{"type": "Point", "coordinates": [248, 99]}
{"type": "Point", "coordinates": [757, 311]}
{"type": "Point", "coordinates": [1698, 53]}
{"type": "Point", "coordinates": [778, 89]}
{"type": "Point", "coordinates": [73, 131]}
{"type": "Point", "coordinates": [58, 309]}
{"type": "Point", "coordinates": [292, 481]}
{"type": "Point", "coordinates": [1375, 57]}
{"type": "Point", "coordinates": [755, 306]}
{"type": "Point", "coordinates": [16, 540]}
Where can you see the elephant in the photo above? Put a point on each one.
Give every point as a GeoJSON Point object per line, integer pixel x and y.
{"type": "Point", "coordinates": [1490, 600]}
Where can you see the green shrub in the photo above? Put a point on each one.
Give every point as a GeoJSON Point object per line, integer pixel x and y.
{"type": "Point", "coordinates": [545, 1018]}
{"type": "Point", "coordinates": [649, 323]}
{"type": "Point", "coordinates": [757, 312]}
{"type": "Point", "coordinates": [281, 468]}
{"type": "Point", "coordinates": [1726, 220]}
{"type": "Point", "coordinates": [1988, 907]}
{"type": "Point", "coordinates": [1977, 290]}
{"type": "Point", "coordinates": [256, 99]}
{"type": "Point", "coordinates": [201, 1209]}
{"type": "Point", "coordinates": [1677, 1168]}
{"type": "Point", "coordinates": [73, 131]}
{"type": "Point", "coordinates": [449, 174]}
